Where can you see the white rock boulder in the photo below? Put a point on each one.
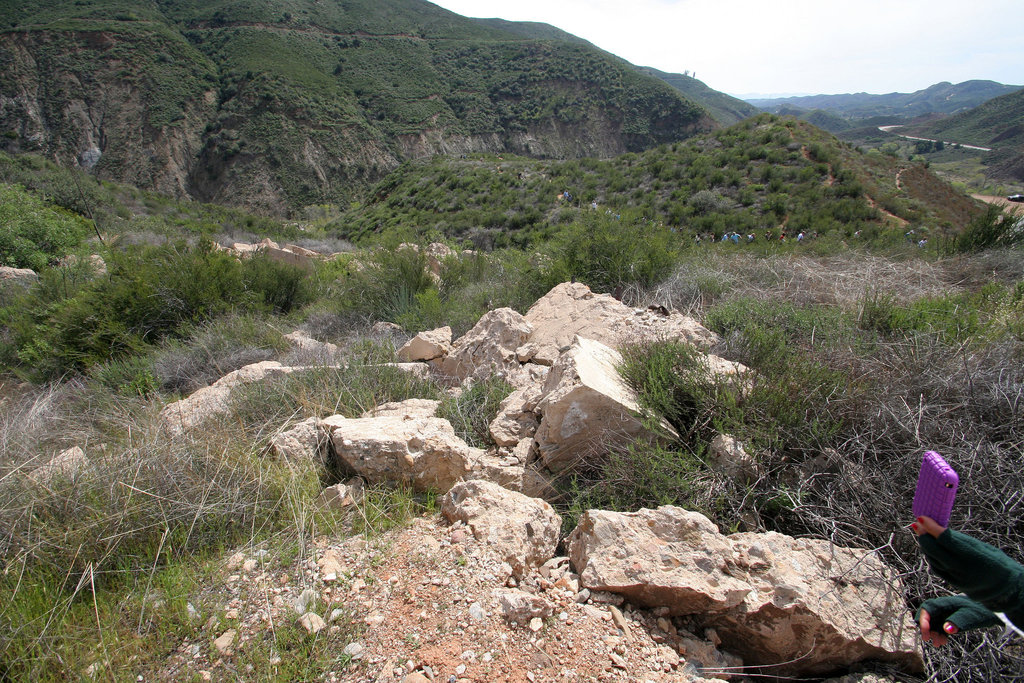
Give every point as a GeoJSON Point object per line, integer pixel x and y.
{"type": "Point", "coordinates": [727, 455]}
{"type": "Point", "coordinates": [519, 530]}
{"type": "Point", "coordinates": [427, 345]}
{"type": "Point", "coordinates": [489, 347]}
{"type": "Point", "coordinates": [421, 451]}
{"type": "Point", "coordinates": [180, 416]}
{"type": "Point", "coordinates": [67, 464]}
{"type": "Point", "coordinates": [572, 309]}
{"type": "Point", "coordinates": [516, 419]}
{"type": "Point", "coordinates": [586, 406]}
{"type": "Point", "coordinates": [409, 408]}
{"type": "Point", "coordinates": [20, 275]}
{"type": "Point", "coordinates": [302, 442]}
{"type": "Point", "coordinates": [805, 607]}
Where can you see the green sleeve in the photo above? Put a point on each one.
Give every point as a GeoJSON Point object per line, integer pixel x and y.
{"type": "Point", "coordinates": [960, 611]}
{"type": "Point", "coordinates": [986, 574]}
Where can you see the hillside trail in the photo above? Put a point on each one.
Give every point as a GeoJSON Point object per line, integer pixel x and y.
{"type": "Point", "coordinates": [1013, 208]}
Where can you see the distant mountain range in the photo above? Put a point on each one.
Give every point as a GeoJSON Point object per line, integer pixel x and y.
{"type": "Point", "coordinates": [941, 98]}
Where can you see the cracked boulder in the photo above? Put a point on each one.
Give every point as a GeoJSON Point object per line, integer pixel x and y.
{"type": "Point", "coordinates": [423, 452]}
{"type": "Point", "coordinates": [586, 406]}
{"type": "Point", "coordinates": [517, 529]}
{"type": "Point", "coordinates": [804, 607]}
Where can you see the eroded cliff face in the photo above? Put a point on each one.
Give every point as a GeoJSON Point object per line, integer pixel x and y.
{"type": "Point", "coordinates": [146, 106]}
{"type": "Point", "coordinates": [85, 98]}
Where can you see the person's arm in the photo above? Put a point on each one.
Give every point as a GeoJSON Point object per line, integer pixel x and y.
{"type": "Point", "coordinates": [992, 580]}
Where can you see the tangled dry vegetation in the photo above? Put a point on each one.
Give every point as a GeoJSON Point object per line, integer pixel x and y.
{"type": "Point", "coordinates": [862, 362]}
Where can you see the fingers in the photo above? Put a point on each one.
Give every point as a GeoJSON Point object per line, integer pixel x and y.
{"type": "Point", "coordinates": [936, 638]}
{"type": "Point", "coordinates": [927, 525]}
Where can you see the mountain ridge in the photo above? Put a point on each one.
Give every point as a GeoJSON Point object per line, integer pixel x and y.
{"type": "Point", "coordinates": [291, 103]}
{"type": "Point", "coordinates": [943, 97]}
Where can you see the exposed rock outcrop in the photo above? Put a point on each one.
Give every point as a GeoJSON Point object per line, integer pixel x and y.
{"type": "Point", "coordinates": [423, 452]}
{"type": "Point", "coordinates": [804, 606]}
{"type": "Point", "coordinates": [521, 531]}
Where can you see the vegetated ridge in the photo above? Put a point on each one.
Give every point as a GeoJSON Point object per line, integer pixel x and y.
{"type": "Point", "coordinates": [765, 173]}
{"type": "Point", "coordinates": [998, 124]}
{"type": "Point", "coordinates": [725, 109]}
{"type": "Point", "coordinates": [291, 103]}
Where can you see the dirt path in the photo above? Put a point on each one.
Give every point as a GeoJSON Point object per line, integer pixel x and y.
{"type": "Point", "coordinates": [1013, 207]}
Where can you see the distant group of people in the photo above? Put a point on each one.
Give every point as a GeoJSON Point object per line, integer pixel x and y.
{"type": "Point", "coordinates": [736, 238]}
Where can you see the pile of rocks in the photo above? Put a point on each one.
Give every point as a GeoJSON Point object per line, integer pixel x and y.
{"type": "Point", "coordinates": [801, 607]}
{"type": "Point", "coordinates": [482, 593]}
{"type": "Point", "coordinates": [291, 254]}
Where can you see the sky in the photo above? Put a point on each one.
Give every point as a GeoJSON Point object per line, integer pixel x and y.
{"type": "Point", "coordinates": [767, 47]}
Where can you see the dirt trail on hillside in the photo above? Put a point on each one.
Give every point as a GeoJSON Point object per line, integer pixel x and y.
{"type": "Point", "coordinates": [1013, 207]}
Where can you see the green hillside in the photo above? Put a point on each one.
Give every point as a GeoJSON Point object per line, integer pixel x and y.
{"type": "Point", "coordinates": [281, 104]}
{"type": "Point", "coordinates": [725, 109]}
{"type": "Point", "coordinates": [764, 173]}
{"type": "Point", "coordinates": [531, 30]}
{"type": "Point", "coordinates": [998, 124]}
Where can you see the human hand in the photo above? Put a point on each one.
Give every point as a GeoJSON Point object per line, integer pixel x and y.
{"type": "Point", "coordinates": [935, 638]}
{"type": "Point", "coordinates": [927, 525]}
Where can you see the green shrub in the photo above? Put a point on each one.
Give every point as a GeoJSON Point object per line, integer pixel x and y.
{"type": "Point", "coordinates": [148, 294]}
{"type": "Point", "coordinates": [608, 253]}
{"type": "Point", "coordinates": [992, 228]}
{"type": "Point", "coordinates": [472, 411]}
{"type": "Point", "coordinates": [34, 233]}
{"type": "Point", "coordinates": [281, 287]}
{"type": "Point", "coordinates": [674, 383]}
{"type": "Point", "coordinates": [642, 475]}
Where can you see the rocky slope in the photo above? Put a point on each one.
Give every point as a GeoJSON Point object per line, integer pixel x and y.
{"type": "Point", "coordinates": [294, 103]}
{"type": "Point", "coordinates": [492, 589]}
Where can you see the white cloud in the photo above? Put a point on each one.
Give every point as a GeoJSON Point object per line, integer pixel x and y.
{"type": "Point", "coordinates": [814, 46]}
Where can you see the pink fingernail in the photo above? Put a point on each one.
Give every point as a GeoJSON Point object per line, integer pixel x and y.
{"type": "Point", "coordinates": [949, 628]}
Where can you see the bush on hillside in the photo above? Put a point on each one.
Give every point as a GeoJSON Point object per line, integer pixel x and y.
{"type": "Point", "coordinates": [607, 252]}
{"type": "Point", "coordinates": [992, 228]}
{"type": "Point", "coordinates": [148, 294]}
{"type": "Point", "coordinates": [34, 233]}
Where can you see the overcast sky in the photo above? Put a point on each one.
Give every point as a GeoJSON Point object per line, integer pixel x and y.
{"type": "Point", "coordinates": [793, 46]}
